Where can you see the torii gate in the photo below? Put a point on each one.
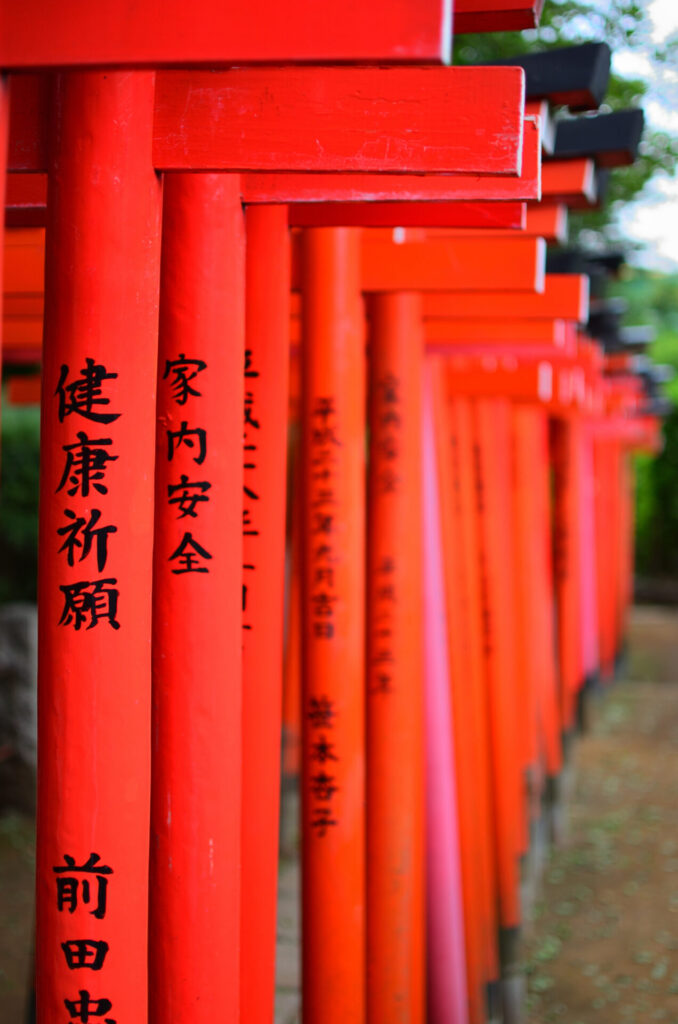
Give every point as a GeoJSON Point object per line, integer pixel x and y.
{"type": "Point", "coordinates": [104, 203]}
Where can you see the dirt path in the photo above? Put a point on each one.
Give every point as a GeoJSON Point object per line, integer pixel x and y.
{"type": "Point", "coordinates": [603, 945]}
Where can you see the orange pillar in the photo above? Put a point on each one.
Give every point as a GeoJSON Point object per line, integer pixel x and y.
{"type": "Point", "coordinates": [564, 441]}
{"type": "Point", "coordinates": [464, 466]}
{"type": "Point", "coordinates": [265, 454]}
{"type": "Point", "coordinates": [468, 772]}
{"type": "Point", "coordinates": [395, 740]}
{"type": "Point", "coordinates": [96, 542]}
{"type": "Point", "coordinates": [497, 568]}
{"type": "Point", "coordinates": [197, 631]}
{"type": "Point", "coordinates": [333, 599]}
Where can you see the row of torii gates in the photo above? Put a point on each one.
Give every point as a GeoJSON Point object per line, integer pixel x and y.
{"type": "Point", "coordinates": [435, 649]}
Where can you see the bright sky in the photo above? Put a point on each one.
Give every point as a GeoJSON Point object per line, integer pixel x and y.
{"type": "Point", "coordinates": [655, 220]}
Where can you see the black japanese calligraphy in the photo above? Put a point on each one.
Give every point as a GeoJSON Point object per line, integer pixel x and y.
{"type": "Point", "coordinates": [90, 602]}
{"type": "Point", "coordinates": [320, 711]}
{"type": "Point", "coordinates": [185, 435]}
{"type": "Point", "coordinates": [189, 554]}
{"type": "Point", "coordinates": [86, 461]}
{"type": "Point", "coordinates": [85, 953]}
{"type": "Point", "coordinates": [85, 1007]}
{"type": "Point", "coordinates": [75, 884]}
{"type": "Point", "coordinates": [183, 371]}
{"type": "Point", "coordinates": [186, 495]}
{"type": "Point", "coordinates": [84, 393]}
{"type": "Point", "coordinates": [80, 533]}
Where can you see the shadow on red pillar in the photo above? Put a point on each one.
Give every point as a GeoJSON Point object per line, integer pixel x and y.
{"type": "Point", "coordinates": [265, 452]}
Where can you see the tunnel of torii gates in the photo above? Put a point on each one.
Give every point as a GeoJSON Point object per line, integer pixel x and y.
{"type": "Point", "coordinates": [212, 196]}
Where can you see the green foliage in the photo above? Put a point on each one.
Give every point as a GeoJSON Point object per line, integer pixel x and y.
{"type": "Point", "coordinates": [19, 471]}
{"type": "Point", "coordinates": [624, 25]}
{"type": "Point", "coordinates": [657, 507]}
{"type": "Point", "coordinates": [653, 299]}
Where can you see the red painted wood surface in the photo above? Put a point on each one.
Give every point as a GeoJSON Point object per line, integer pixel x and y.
{"type": "Point", "coordinates": [452, 120]}
{"type": "Point", "coordinates": [466, 744]}
{"type": "Point", "coordinates": [491, 418]}
{"type": "Point", "coordinates": [333, 603]}
{"type": "Point", "coordinates": [571, 182]}
{"type": "Point", "coordinates": [26, 200]}
{"type": "Point", "coordinates": [472, 598]}
{"type": "Point", "coordinates": [275, 119]}
{"type": "Point", "coordinates": [310, 188]}
{"type": "Point", "coordinates": [548, 220]}
{"type": "Point", "coordinates": [231, 33]}
{"type": "Point", "coordinates": [528, 424]}
{"type": "Point", "coordinates": [24, 390]}
{"type": "Point", "coordinates": [487, 216]}
{"type": "Point", "coordinates": [513, 333]}
{"type": "Point", "coordinates": [541, 109]}
{"type": "Point", "coordinates": [543, 221]}
{"type": "Point", "coordinates": [467, 264]}
{"type": "Point", "coordinates": [496, 15]}
{"type": "Point", "coordinates": [197, 675]}
{"type": "Point", "coordinates": [28, 121]}
{"type": "Point", "coordinates": [267, 299]}
{"type": "Point", "coordinates": [565, 440]}
{"type": "Point", "coordinates": [102, 274]}
{"type": "Point", "coordinates": [565, 296]}
{"type": "Point", "coordinates": [395, 708]}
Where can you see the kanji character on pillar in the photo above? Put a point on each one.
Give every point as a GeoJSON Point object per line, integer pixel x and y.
{"type": "Point", "coordinates": [323, 751]}
{"type": "Point", "coordinates": [189, 552]}
{"type": "Point", "coordinates": [89, 533]}
{"type": "Point", "coordinates": [90, 602]}
{"type": "Point", "coordinates": [322, 820]}
{"type": "Point", "coordinates": [74, 884]}
{"type": "Point", "coordinates": [187, 494]}
{"type": "Point", "coordinates": [84, 393]}
{"type": "Point", "coordinates": [321, 711]}
{"type": "Point", "coordinates": [85, 466]}
{"type": "Point", "coordinates": [185, 435]}
{"type": "Point", "coordinates": [81, 953]}
{"type": "Point", "coordinates": [183, 370]}
{"type": "Point", "coordinates": [85, 1007]}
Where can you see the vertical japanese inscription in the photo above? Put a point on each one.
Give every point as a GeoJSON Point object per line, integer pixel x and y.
{"type": "Point", "coordinates": [324, 443]}
{"type": "Point", "coordinates": [87, 602]}
{"type": "Point", "coordinates": [85, 539]}
{"type": "Point", "coordinates": [251, 428]}
{"type": "Point", "coordinates": [387, 425]}
{"type": "Point", "coordinates": [321, 714]}
{"type": "Point", "coordinates": [320, 711]}
{"type": "Point", "coordinates": [82, 891]}
{"type": "Point", "coordinates": [187, 448]}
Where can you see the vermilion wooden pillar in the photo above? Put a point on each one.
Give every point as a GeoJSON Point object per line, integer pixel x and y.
{"type": "Point", "coordinates": [197, 633]}
{"type": "Point", "coordinates": [446, 955]}
{"type": "Point", "coordinates": [589, 609]}
{"type": "Point", "coordinates": [493, 483]}
{"type": "Point", "coordinates": [461, 418]}
{"type": "Point", "coordinates": [395, 699]}
{"type": "Point", "coordinates": [267, 298]}
{"type": "Point", "coordinates": [564, 441]}
{"type": "Point", "coordinates": [96, 528]}
{"type": "Point", "coordinates": [466, 742]}
{"type": "Point", "coordinates": [333, 600]}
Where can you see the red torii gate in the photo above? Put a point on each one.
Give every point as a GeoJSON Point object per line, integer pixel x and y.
{"type": "Point", "coordinates": [84, 101]}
